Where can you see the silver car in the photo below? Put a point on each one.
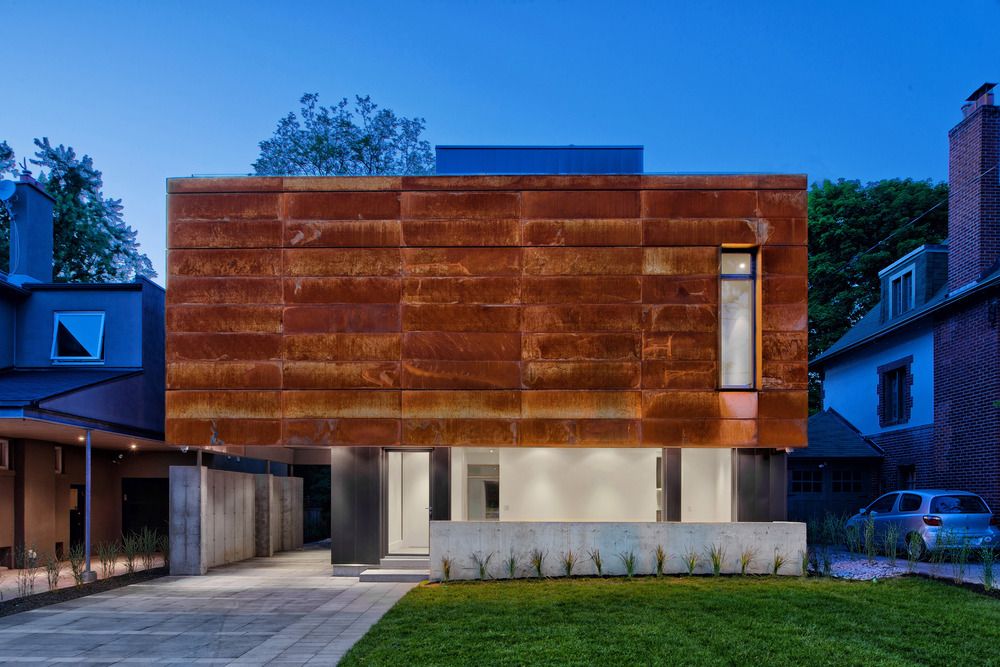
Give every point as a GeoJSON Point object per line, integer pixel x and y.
{"type": "Point", "coordinates": [932, 519]}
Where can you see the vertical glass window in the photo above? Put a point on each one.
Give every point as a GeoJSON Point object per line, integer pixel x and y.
{"type": "Point", "coordinates": [736, 318]}
{"type": "Point", "coordinates": [78, 337]}
{"type": "Point", "coordinates": [901, 294]}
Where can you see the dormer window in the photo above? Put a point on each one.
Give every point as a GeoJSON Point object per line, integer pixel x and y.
{"type": "Point", "coordinates": [78, 337]}
{"type": "Point", "coordinates": [901, 293]}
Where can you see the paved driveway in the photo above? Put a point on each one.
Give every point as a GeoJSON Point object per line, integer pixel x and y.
{"type": "Point", "coordinates": [285, 610]}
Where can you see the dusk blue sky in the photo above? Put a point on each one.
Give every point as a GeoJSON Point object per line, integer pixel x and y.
{"type": "Point", "coordinates": [862, 90]}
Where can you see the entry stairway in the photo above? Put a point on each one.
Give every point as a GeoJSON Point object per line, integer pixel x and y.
{"type": "Point", "coordinates": [390, 568]}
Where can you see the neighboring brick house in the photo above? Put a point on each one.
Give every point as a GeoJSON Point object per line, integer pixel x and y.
{"type": "Point", "coordinates": [920, 374]}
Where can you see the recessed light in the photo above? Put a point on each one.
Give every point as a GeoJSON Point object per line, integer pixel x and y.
{"type": "Point", "coordinates": [80, 438]}
{"type": "Point", "coordinates": [133, 446]}
{"type": "Point", "coordinates": [743, 265]}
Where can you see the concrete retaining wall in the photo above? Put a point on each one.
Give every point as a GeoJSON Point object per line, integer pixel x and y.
{"type": "Point", "coordinates": [219, 517]}
{"type": "Point", "coordinates": [459, 540]}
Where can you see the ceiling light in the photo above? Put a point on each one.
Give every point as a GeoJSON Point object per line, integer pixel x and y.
{"type": "Point", "coordinates": [743, 265]}
{"type": "Point", "coordinates": [80, 438]}
{"type": "Point", "coordinates": [133, 446]}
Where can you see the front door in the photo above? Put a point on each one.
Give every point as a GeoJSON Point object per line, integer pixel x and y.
{"type": "Point", "coordinates": [408, 501]}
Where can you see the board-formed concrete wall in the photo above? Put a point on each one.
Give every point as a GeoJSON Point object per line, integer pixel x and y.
{"type": "Point", "coordinates": [459, 540]}
{"type": "Point", "coordinates": [219, 517]}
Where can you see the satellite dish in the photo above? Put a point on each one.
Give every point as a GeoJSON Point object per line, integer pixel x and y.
{"type": "Point", "coordinates": [7, 190]}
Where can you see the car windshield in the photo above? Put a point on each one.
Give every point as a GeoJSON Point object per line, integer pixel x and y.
{"type": "Point", "coordinates": [958, 505]}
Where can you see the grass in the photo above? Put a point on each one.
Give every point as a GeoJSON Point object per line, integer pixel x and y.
{"type": "Point", "coordinates": [685, 620]}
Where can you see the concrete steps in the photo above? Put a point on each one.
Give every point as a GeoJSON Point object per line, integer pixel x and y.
{"type": "Point", "coordinates": [405, 563]}
{"type": "Point", "coordinates": [403, 575]}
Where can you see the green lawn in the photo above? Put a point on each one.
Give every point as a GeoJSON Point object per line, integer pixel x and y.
{"type": "Point", "coordinates": [689, 621]}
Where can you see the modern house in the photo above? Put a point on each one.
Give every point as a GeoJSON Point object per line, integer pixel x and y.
{"type": "Point", "coordinates": [919, 375]}
{"type": "Point", "coordinates": [520, 338]}
{"type": "Point", "coordinates": [76, 360]}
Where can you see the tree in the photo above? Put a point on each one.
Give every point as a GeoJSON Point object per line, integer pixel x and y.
{"type": "Point", "coordinates": [339, 141]}
{"type": "Point", "coordinates": [855, 231]}
{"type": "Point", "coordinates": [91, 242]}
{"type": "Point", "coordinates": [7, 168]}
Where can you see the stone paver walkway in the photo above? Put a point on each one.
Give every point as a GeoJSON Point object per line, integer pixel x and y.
{"type": "Point", "coordinates": [285, 610]}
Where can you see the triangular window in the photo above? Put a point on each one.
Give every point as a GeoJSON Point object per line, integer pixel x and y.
{"type": "Point", "coordinates": [78, 337]}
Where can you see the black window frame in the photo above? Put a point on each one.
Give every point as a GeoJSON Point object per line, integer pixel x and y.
{"type": "Point", "coordinates": [839, 483]}
{"type": "Point", "coordinates": [895, 398]}
{"type": "Point", "coordinates": [797, 482]}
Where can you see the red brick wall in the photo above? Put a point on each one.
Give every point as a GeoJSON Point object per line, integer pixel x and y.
{"type": "Point", "coordinates": [974, 196]}
{"type": "Point", "coordinates": [966, 386]}
{"type": "Point", "coordinates": [506, 311]}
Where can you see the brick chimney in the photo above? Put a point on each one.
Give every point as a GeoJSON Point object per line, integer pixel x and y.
{"type": "Point", "coordinates": [974, 190]}
{"type": "Point", "coordinates": [31, 232]}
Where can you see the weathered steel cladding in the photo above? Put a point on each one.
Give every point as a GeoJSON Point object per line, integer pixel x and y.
{"type": "Point", "coordinates": [494, 310]}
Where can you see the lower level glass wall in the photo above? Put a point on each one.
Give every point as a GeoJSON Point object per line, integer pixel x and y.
{"type": "Point", "coordinates": [586, 484]}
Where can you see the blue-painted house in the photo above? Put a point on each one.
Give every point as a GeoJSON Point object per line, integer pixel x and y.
{"type": "Point", "coordinates": [919, 376]}
{"type": "Point", "coordinates": [76, 358]}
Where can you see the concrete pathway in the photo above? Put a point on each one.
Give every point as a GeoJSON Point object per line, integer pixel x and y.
{"type": "Point", "coordinates": [285, 610]}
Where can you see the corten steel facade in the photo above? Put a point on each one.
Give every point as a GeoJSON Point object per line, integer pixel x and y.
{"type": "Point", "coordinates": [565, 311]}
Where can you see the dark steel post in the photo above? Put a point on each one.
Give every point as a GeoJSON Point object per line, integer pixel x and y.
{"type": "Point", "coordinates": [88, 574]}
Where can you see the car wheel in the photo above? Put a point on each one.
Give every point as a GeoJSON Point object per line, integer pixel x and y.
{"type": "Point", "coordinates": [916, 548]}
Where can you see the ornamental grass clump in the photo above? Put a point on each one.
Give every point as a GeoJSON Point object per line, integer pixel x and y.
{"type": "Point", "coordinates": [747, 557]}
{"type": "Point", "coordinates": [629, 560]}
{"type": "Point", "coordinates": [960, 559]}
{"type": "Point", "coordinates": [130, 549]}
{"type": "Point", "coordinates": [890, 542]}
{"type": "Point", "coordinates": [778, 562]}
{"type": "Point", "coordinates": [76, 563]}
{"type": "Point", "coordinates": [107, 555]}
{"type": "Point", "coordinates": [852, 539]}
{"type": "Point", "coordinates": [149, 541]}
{"type": "Point", "coordinates": [538, 561]}
{"type": "Point", "coordinates": [987, 557]}
{"type": "Point", "coordinates": [717, 557]}
{"type": "Point", "coordinates": [660, 555]}
{"type": "Point", "coordinates": [482, 564]}
{"type": "Point", "coordinates": [871, 547]}
{"type": "Point", "coordinates": [53, 568]}
{"type": "Point", "coordinates": [510, 564]}
{"type": "Point", "coordinates": [804, 556]}
{"type": "Point", "coordinates": [446, 564]}
{"type": "Point", "coordinates": [595, 558]}
{"type": "Point", "coordinates": [569, 562]}
{"type": "Point", "coordinates": [164, 544]}
{"type": "Point", "coordinates": [691, 560]}
{"type": "Point", "coordinates": [913, 552]}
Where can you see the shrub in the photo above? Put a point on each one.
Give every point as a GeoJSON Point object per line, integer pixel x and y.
{"type": "Point", "coordinates": [717, 556]}
{"type": "Point", "coordinates": [53, 568]}
{"type": "Point", "coordinates": [747, 557]}
{"type": "Point", "coordinates": [538, 561]}
{"type": "Point", "coordinates": [482, 564]}
{"type": "Point", "coordinates": [691, 560]}
{"type": "Point", "coordinates": [446, 564]}
{"type": "Point", "coordinates": [26, 560]}
{"type": "Point", "coordinates": [510, 564]}
{"type": "Point", "coordinates": [595, 557]}
{"type": "Point", "coordinates": [629, 560]}
{"type": "Point", "coordinates": [76, 562]}
{"type": "Point", "coordinates": [569, 562]}
{"type": "Point", "coordinates": [661, 559]}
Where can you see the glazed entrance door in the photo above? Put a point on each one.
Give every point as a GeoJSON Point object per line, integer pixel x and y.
{"type": "Point", "coordinates": [408, 499]}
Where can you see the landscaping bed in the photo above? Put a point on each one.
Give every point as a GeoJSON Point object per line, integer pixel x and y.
{"type": "Point", "coordinates": [686, 620]}
{"type": "Point", "coordinates": [29, 602]}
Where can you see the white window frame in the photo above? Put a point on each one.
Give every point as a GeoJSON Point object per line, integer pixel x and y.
{"type": "Point", "coordinates": [4, 454]}
{"type": "Point", "coordinates": [56, 359]}
{"type": "Point", "coordinates": [893, 312]}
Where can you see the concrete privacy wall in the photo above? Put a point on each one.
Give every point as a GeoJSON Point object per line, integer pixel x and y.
{"type": "Point", "coordinates": [459, 540]}
{"type": "Point", "coordinates": [278, 505]}
{"type": "Point", "coordinates": [219, 517]}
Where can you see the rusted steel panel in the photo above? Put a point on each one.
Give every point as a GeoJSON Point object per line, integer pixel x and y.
{"type": "Point", "coordinates": [462, 311]}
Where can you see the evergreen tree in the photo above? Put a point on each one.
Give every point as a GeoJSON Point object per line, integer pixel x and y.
{"type": "Point", "coordinates": [91, 241]}
{"type": "Point", "coordinates": [340, 141]}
